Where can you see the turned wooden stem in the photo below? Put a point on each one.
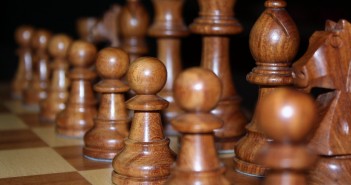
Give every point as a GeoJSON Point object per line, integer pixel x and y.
{"type": "Point", "coordinates": [152, 131]}
{"type": "Point", "coordinates": [169, 53]}
{"type": "Point", "coordinates": [197, 145]}
{"type": "Point", "coordinates": [110, 107]}
{"type": "Point", "coordinates": [215, 56]}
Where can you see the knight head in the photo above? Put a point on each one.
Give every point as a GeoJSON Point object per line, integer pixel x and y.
{"type": "Point", "coordinates": [326, 63]}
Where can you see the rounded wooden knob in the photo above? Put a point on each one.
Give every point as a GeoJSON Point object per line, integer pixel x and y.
{"type": "Point", "coordinates": [197, 90]}
{"type": "Point", "coordinates": [112, 63]}
{"type": "Point", "coordinates": [286, 115]}
{"type": "Point", "coordinates": [84, 25]}
{"type": "Point", "coordinates": [41, 39]}
{"type": "Point", "coordinates": [58, 45]}
{"type": "Point", "coordinates": [23, 35]}
{"type": "Point", "coordinates": [82, 54]}
{"type": "Point", "coordinates": [147, 75]}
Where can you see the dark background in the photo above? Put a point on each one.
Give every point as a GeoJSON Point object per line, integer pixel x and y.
{"type": "Point", "coordinates": [60, 16]}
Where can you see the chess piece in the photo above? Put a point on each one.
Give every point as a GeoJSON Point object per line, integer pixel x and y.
{"type": "Point", "coordinates": [77, 117]}
{"type": "Point", "coordinates": [197, 91]}
{"type": "Point", "coordinates": [134, 21]}
{"type": "Point", "coordinates": [146, 157]}
{"type": "Point", "coordinates": [168, 28]}
{"type": "Point", "coordinates": [216, 23]}
{"type": "Point", "coordinates": [288, 121]}
{"type": "Point", "coordinates": [37, 87]}
{"type": "Point", "coordinates": [23, 36]}
{"type": "Point", "coordinates": [274, 42]}
{"type": "Point", "coordinates": [84, 26]}
{"type": "Point", "coordinates": [58, 89]}
{"type": "Point", "coordinates": [106, 138]}
{"type": "Point", "coordinates": [107, 28]}
{"type": "Point", "coordinates": [326, 65]}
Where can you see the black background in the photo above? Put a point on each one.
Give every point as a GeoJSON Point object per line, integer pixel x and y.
{"type": "Point", "coordinates": [60, 16]}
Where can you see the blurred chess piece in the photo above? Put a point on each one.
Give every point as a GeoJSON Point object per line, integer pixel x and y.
{"type": "Point", "coordinates": [58, 89]}
{"type": "Point", "coordinates": [197, 91]}
{"type": "Point", "coordinates": [107, 28]}
{"type": "Point", "coordinates": [288, 117]}
{"type": "Point", "coordinates": [23, 37]}
{"type": "Point", "coordinates": [38, 85]}
{"type": "Point", "coordinates": [77, 118]}
{"type": "Point", "coordinates": [84, 26]}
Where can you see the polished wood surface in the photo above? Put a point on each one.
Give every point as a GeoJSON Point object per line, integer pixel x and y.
{"type": "Point", "coordinates": [111, 125]}
{"type": "Point", "coordinates": [326, 65]}
{"type": "Point", "coordinates": [23, 36]}
{"type": "Point", "coordinates": [168, 28]}
{"type": "Point", "coordinates": [107, 29]}
{"type": "Point", "coordinates": [59, 84]}
{"type": "Point", "coordinates": [77, 117]}
{"type": "Point", "coordinates": [197, 91]}
{"type": "Point", "coordinates": [134, 22]}
{"type": "Point", "coordinates": [216, 23]}
{"type": "Point", "coordinates": [274, 42]}
{"type": "Point", "coordinates": [38, 85]}
{"type": "Point", "coordinates": [146, 157]}
{"type": "Point", "coordinates": [289, 123]}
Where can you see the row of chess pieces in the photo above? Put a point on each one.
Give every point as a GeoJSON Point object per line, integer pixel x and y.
{"type": "Point", "coordinates": [141, 100]}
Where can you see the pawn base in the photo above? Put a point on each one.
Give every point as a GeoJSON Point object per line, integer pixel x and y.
{"type": "Point", "coordinates": [121, 179]}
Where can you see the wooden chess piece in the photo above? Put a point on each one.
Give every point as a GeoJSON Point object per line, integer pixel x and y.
{"type": "Point", "coordinates": [58, 89]}
{"type": "Point", "coordinates": [168, 28]}
{"type": "Point", "coordinates": [77, 117]}
{"type": "Point", "coordinates": [274, 42]}
{"type": "Point", "coordinates": [134, 21]}
{"type": "Point", "coordinates": [108, 28]}
{"type": "Point", "coordinates": [288, 121]}
{"type": "Point", "coordinates": [38, 85]}
{"type": "Point", "coordinates": [84, 26]}
{"type": "Point", "coordinates": [146, 157]}
{"type": "Point", "coordinates": [197, 91]}
{"type": "Point", "coordinates": [110, 129]}
{"type": "Point", "coordinates": [216, 23]}
{"type": "Point", "coordinates": [23, 36]}
{"type": "Point", "coordinates": [326, 65]}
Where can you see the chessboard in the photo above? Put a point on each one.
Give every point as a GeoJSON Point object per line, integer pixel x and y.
{"type": "Point", "coordinates": [32, 153]}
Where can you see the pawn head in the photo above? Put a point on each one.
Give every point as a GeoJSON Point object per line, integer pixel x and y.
{"type": "Point", "coordinates": [82, 54]}
{"type": "Point", "coordinates": [112, 63]}
{"type": "Point", "coordinates": [41, 39]}
{"type": "Point", "coordinates": [58, 45]}
{"type": "Point", "coordinates": [197, 90]}
{"type": "Point", "coordinates": [147, 75]}
{"type": "Point", "coordinates": [286, 115]}
{"type": "Point", "coordinates": [23, 35]}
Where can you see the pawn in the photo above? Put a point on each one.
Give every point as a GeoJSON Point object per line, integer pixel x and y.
{"type": "Point", "coordinates": [197, 91]}
{"type": "Point", "coordinates": [110, 129]}
{"type": "Point", "coordinates": [57, 95]}
{"type": "Point", "coordinates": [146, 157]}
{"type": "Point", "coordinates": [23, 36]}
{"type": "Point", "coordinates": [84, 26]}
{"type": "Point", "coordinates": [77, 117]}
{"type": "Point", "coordinates": [288, 122]}
{"type": "Point", "coordinates": [37, 87]}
